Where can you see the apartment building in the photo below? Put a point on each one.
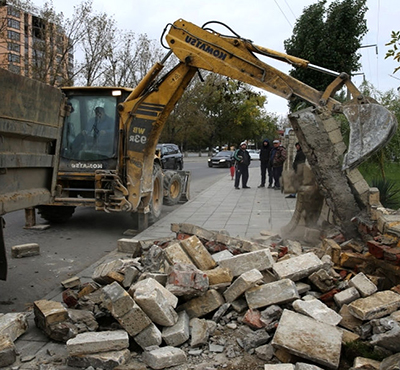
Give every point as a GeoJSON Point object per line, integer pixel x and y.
{"type": "Point", "coordinates": [32, 46]}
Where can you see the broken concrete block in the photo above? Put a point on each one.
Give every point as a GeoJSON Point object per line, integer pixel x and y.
{"type": "Point", "coordinates": [151, 336]}
{"type": "Point", "coordinates": [265, 352]}
{"type": "Point", "coordinates": [186, 280]}
{"type": "Point", "coordinates": [174, 253]}
{"type": "Point", "coordinates": [131, 273]}
{"type": "Point", "coordinates": [279, 367]}
{"type": "Point", "coordinates": [179, 333]}
{"type": "Point", "coordinates": [71, 283]}
{"type": "Point", "coordinates": [155, 302]}
{"type": "Point", "coordinates": [317, 310]}
{"type": "Point", "coordinates": [25, 250]}
{"type": "Point", "coordinates": [346, 296]}
{"type": "Point", "coordinates": [103, 341]}
{"type": "Point", "coordinates": [48, 313]}
{"type": "Point", "coordinates": [163, 357]}
{"type": "Point", "coordinates": [389, 339]}
{"type": "Point", "coordinates": [351, 260]}
{"type": "Point", "coordinates": [198, 253]}
{"type": "Point", "coordinates": [223, 255]}
{"type": "Point", "coordinates": [124, 309]}
{"type": "Point", "coordinates": [332, 249]}
{"type": "Point", "coordinates": [322, 280]}
{"type": "Point", "coordinates": [244, 282]}
{"type": "Point", "coordinates": [105, 273]}
{"type": "Point", "coordinates": [391, 362]}
{"type": "Point", "coordinates": [364, 285]}
{"type": "Point", "coordinates": [219, 275]}
{"type": "Point", "coordinates": [199, 332]}
{"type": "Point", "coordinates": [304, 366]}
{"type": "Point", "coordinates": [260, 260]}
{"type": "Point", "coordinates": [131, 246]}
{"type": "Point", "coordinates": [375, 306]}
{"type": "Point", "coordinates": [254, 339]}
{"type": "Point", "coordinates": [366, 363]}
{"type": "Point", "coordinates": [8, 353]}
{"type": "Point", "coordinates": [310, 339]}
{"type": "Point", "coordinates": [203, 305]}
{"type": "Point", "coordinates": [277, 292]}
{"type": "Point", "coordinates": [348, 336]}
{"type": "Point", "coordinates": [103, 360]}
{"type": "Point", "coordinates": [88, 288]}
{"type": "Point", "coordinates": [297, 268]}
{"type": "Point", "coordinates": [14, 325]}
{"type": "Point", "coordinates": [83, 320]}
{"type": "Point", "coordinates": [348, 320]}
{"type": "Point", "coordinates": [150, 284]}
{"type": "Point", "coordinates": [157, 276]}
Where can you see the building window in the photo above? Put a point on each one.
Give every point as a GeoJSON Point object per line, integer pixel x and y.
{"type": "Point", "coordinates": [14, 68]}
{"type": "Point", "coordinates": [12, 35]}
{"type": "Point", "coordinates": [13, 12]}
{"type": "Point", "coordinates": [12, 46]}
{"type": "Point", "coordinates": [14, 58]}
{"type": "Point", "coordinates": [12, 23]}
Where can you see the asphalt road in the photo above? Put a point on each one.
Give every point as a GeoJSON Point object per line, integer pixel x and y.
{"type": "Point", "coordinates": [69, 248]}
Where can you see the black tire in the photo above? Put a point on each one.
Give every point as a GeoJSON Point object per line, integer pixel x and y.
{"type": "Point", "coordinates": [180, 166]}
{"type": "Point", "coordinates": [56, 214]}
{"type": "Point", "coordinates": [156, 201]}
{"type": "Point", "coordinates": [210, 164]}
{"type": "Point", "coordinates": [173, 188]}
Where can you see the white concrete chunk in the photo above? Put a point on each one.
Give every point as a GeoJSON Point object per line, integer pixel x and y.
{"type": "Point", "coordinates": [346, 296]}
{"type": "Point", "coordinates": [277, 292]}
{"type": "Point", "coordinates": [151, 336]}
{"type": "Point", "coordinates": [103, 360]}
{"type": "Point", "coordinates": [279, 367]}
{"type": "Point", "coordinates": [244, 282]}
{"type": "Point", "coordinates": [179, 333]}
{"type": "Point", "coordinates": [375, 306]}
{"type": "Point", "coordinates": [260, 260]}
{"type": "Point", "coordinates": [297, 268]}
{"type": "Point", "coordinates": [317, 310]}
{"type": "Point", "coordinates": [364, 285]}
{"type": "Point", "coordinates": [13, 324]}
{"type": "Point", "coordinates": [304, 366]}
{"type": "Point", "coordinates": [93, 342]}
{"type": "Point", "coordinates": [163, 357]}
{"type": "Point", "coordinates": [310, 339]}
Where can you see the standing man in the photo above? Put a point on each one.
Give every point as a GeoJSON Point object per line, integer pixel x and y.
{"type": "Point", "coordinates": [278, 157]}
{"type": "Point", "coordinates": [242, 158]}
{"type": "Point", "coordinates": [265, 153]}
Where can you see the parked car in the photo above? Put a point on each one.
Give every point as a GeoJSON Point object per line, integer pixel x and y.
{"type": "Point", "coordinates": [254, 153]}
{"type": "Point", "coordinates": [223, 158]}
{"type": "Point", "coordinates": [171, 157]}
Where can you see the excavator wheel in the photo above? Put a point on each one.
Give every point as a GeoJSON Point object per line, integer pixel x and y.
{"type": "Point", "coordinates": [56, 214]}
{"type": "Point", "coordinates": [156, 201]}
{"type": "Point", "coordinates": [173, 188]}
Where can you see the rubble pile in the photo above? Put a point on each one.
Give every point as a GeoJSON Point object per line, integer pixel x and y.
{"type": "Point", "coordinates": [204, 300]}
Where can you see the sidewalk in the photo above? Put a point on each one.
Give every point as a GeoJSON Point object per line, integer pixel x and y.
{"type": "Point", "coordinates": [243, 213]}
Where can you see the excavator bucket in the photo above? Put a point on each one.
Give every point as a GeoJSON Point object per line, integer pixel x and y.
{"type": "Point", "coordinates": [371, 127]}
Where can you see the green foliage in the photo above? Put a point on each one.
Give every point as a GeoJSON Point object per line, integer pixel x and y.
{"type": "Point", "coordinates": [389, 192]}
{"type": "Point", "coordinates": [218, 111]}
{"type": "Point", "coordinates": [329, 38]}
{"type": "Point", "coordinates": [394, 51]}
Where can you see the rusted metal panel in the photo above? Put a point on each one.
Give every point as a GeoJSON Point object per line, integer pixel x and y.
{"type": "Point", "coordinates": [31, 118]}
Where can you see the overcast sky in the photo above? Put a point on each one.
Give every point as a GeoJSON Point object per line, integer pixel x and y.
{"type": "Point", "coordinates": [266, 22]}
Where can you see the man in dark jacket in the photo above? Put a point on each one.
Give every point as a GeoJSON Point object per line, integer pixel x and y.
{"type": "Point", "coordinates": [278, 157]}
{"type": "Point", "coordinates": [242, 158]}
{"type": "Point", "coordinates": [265, 152]}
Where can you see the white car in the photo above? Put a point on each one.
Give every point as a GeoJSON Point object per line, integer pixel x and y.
{"type": "Point", "coordinates": [254, 153]}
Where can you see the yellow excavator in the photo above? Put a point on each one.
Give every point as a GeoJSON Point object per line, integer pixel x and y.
{"type": "Point", "coordinates": [113, 168]}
